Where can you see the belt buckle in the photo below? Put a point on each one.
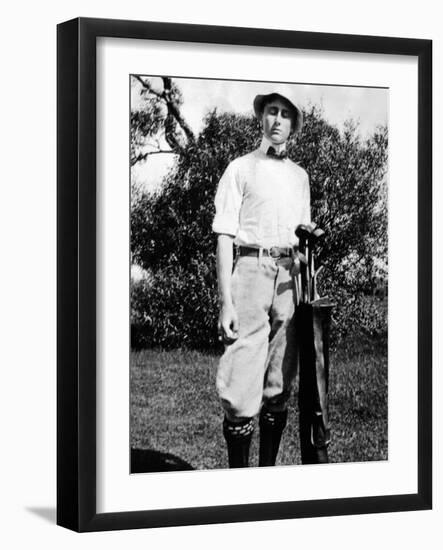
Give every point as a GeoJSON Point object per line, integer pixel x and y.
{"type": "Point", "coordinates": [274, 252]}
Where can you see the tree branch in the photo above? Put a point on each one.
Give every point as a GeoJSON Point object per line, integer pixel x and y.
{"type": "Point", "coordinates": [172, 106]}
{"type": "Point", "coordinates": [148, 87]}
{"type": "Point", "coordinates": [174, 109]}
{"type": "Point", "coordinates": [144, 156]}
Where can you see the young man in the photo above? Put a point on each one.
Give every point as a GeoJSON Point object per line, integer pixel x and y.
{"type": "Point", "coordinates": [261, 198]}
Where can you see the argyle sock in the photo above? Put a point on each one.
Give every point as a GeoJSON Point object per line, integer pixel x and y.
{"type": "Point", "coordinates": [238, 437]}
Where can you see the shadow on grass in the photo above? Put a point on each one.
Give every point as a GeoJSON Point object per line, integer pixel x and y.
{"type": "Point", "coordinates": [145, 460]}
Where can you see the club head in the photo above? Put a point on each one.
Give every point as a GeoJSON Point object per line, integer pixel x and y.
{"type": "Point", "coordinates": [303, 232]}
{"type": "Point", "coordinates": [318, 233]}
{"type": "Point", "coordinates": [311, 226]}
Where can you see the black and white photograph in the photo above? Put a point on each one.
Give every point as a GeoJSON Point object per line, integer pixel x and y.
{"type": "Point", "coordinates": [259, 273]}
{"type": "Point", "coordinates": [222, 254]}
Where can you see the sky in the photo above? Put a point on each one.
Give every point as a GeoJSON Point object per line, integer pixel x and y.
{"type": "Point", "coordinates": [367, 106]}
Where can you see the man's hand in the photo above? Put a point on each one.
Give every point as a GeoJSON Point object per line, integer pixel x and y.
{"type": "Point", "coordinates": [227, 324]}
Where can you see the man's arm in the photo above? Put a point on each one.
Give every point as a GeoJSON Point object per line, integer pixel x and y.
{"type": "Point", "coordinates": [228, 320]}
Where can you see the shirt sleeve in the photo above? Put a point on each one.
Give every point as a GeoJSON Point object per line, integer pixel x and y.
{"type": "Point", "coordinates": [228, 200]}
{"type": "Point", "coordinates": [306, 209]}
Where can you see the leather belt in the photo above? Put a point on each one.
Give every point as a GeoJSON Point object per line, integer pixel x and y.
{"type": "Point", "coordinates": [274, 252]}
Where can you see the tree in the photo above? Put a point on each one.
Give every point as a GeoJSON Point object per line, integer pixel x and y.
{"type": "Point", "coordinates": [176, 221]}
{"type": "Point", "coordinates": [348, 192]}
{"type": "Point", "coordinates": [157, 125]}
{"type": "Point", "coordinates": [171, 229]}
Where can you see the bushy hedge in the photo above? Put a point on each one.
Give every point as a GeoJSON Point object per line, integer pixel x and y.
{"type": "Point", "coordinates": [177, 307]}
{"type": "Point", "coordinates": [361, 311]}
{"type": "Point", "coordinates": [359, 316]}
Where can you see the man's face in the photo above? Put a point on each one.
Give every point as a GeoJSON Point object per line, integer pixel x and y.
{"type": "Point", "coordinates": [277, 119]}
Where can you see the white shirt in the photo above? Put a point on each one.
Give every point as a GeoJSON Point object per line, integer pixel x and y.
{"type": "Point", "coordinates": [260, 200]}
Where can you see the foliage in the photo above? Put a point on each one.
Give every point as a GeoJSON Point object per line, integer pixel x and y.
{"type": "Point", "coordinates": [359, 316]}
{"type": "Point", "coordinates": [149, 118]}
{"type": "Point", "coordinates": [171, 229]}
{"type": "Point", "coordinates": [174, 224]}
{"type": "Point", "coordinates": [347, 180]}
{"type": "Point", "coordinates": [176, 306]}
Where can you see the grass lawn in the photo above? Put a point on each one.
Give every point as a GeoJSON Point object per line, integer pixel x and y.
{"type": "Point", "coordinates": [176, 418]}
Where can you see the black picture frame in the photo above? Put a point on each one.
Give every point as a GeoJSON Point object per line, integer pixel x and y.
{"type": "Point", "coordinates": [76, 274]}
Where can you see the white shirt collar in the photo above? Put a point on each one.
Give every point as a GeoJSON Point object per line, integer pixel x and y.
{"type": "Point", "coordinates": [266, 143]}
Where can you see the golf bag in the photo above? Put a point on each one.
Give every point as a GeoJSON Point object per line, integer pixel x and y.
{"type": "Point", "coordinates": [313, 318]}
{"type": "Point", "coordinates": [313, 324]}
